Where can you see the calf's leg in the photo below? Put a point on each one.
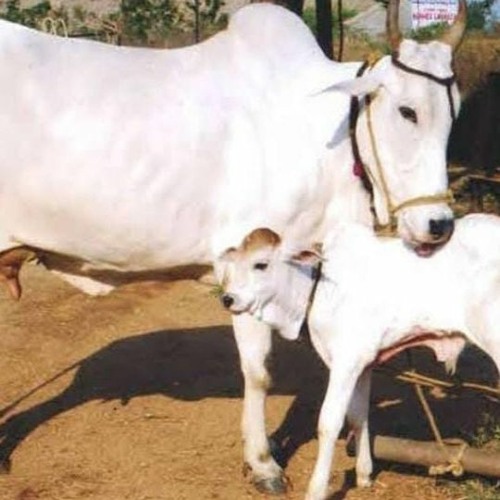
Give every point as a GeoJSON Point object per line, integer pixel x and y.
{"type": "Point", "coordinates": [342, 380]}
{"type": "Point", "coordinates": [253, 339]}
{"type": "Point", "coordinates": [357, 416]}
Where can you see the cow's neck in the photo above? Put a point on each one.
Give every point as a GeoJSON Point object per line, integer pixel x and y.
{"type": "Point", "coordinates": [349, 200]}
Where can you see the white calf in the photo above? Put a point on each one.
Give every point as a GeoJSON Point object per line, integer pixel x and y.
{"type": "Point", "coordinates": [374, 298]}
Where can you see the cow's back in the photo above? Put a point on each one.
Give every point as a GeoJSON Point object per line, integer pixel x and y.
{"type": "Point", "coordinates": [99, 140]}
{"type": "Point", "coordinates": [134, 158]}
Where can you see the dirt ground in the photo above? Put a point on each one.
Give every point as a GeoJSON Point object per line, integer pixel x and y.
{"type": "Point", "coordinates": [137, 395]}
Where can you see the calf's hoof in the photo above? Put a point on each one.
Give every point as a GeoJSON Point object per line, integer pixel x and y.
{"type": "Point", "coordinates": [271, 485]}
{"type": "Point", "coordinates": [363, 482]}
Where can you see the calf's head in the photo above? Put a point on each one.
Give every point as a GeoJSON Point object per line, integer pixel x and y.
{"type": "Point", "coordinates": [265, 278]}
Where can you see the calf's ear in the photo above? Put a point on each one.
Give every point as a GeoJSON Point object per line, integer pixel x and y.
{"type": "Point", "coordinates": [260, 238]}
{"type": "Point", "coordinates": [228, 254]}
{"type": "Point", "coordinates": [311, 257]}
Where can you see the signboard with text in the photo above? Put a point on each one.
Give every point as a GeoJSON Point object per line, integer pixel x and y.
{"type": "Point", "coordinates": [425, 12]}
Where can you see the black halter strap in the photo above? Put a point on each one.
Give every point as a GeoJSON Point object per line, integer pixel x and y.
{"type": "Point", "coordinates": [304, 329]}
{"type": "Point", "coordinates": [446, 82]}
{"type": "Point", "coordinates": [358, 166]}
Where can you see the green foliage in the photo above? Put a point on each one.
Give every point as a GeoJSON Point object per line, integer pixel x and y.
{"type": "Point", "coordinates": [309, 17]}
{"type": "Point", "coordinates": [487, 436]}
{"type": "Point", "coordinates": [138, 22]}
{"type": "Point", "coordinates": [488, 431]}
{"type": "Point", "coordinates": [206, 17]}
{"type": "Point", "coordinates": [216, 291]}
{"type": "Point", "coordinates": [430, 32]}
{"type": "Point", "coordinates": [147, 21]}
{"type": "Point", "coordinates": [31, 16]}
{"type": "Point", "coordinates": [208, 10]}
{"type": "Point", "coordinates": [474, 489]}
{"type": "Point", "coordinates": [476, 14]}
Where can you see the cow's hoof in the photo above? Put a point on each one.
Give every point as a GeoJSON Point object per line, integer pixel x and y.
{"type": "Point", "coordinates": [272, 485]}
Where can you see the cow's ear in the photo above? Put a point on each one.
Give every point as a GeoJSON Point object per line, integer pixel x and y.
{"type": "Point", "coordinates": [357, 86]}
{"type": "Point", "coordinates": [371, 80]}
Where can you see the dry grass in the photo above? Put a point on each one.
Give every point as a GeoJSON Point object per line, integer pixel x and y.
{"type": "Point", "coordinates": [476, 57]}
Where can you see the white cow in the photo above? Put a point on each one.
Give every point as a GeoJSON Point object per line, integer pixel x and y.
{"type": "Point", "coordinates": [373, 299]}
{"type": "Point", "coordinates": [117, 162]}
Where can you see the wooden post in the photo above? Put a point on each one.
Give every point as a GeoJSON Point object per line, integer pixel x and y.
{"type": "Point", "coordinates": [196, 21]}
{"type": "Point", "coordinates": [407, 451]}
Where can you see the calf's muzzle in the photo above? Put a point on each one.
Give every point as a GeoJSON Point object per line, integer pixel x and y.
{"type": "Point", "coordinates": [227, 300]}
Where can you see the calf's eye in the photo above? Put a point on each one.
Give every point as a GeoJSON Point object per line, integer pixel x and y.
{"type": "Point", "coordinates": [408, 114]}
{"type": "Point", "coordinates": [260, 266]}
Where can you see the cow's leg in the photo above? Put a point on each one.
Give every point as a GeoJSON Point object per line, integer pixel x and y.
{"type": "Point", "coordinates": [11, 262]}
{"type": "Point", "coordinates": [254, 344]}
{"type": "Point", "coordinates": [341, 383]}
{"type": "Point", "coordinates": [357, 415]}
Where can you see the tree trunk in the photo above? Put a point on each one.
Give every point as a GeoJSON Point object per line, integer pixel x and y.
{"type": "Point", "coordinates": [296, 6]}
{"type": "Point", "coordinates": [324, 26]}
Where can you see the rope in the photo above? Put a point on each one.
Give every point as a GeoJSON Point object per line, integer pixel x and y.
{"type": "Point", "coordinates": [378, 163]}
{"type": "Point", "coordinates": [454, 463]}
{"type": "Point", "coordinates": [414, 377]}
{"type": "Point", "coordinates": [446, 197]}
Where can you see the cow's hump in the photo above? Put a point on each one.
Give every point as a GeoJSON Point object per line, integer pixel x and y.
{"type": "Point", "coordinates": [275, 32]}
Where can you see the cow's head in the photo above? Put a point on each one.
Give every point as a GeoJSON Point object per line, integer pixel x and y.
{"type": "Point", "coordinates": [408, 101]}
{"type": "Point", "coordinates": [267, 279]}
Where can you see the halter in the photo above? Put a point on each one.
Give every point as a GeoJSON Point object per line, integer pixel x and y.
{"type": "Point", "coordinates": [316, 276]}
{"type": "Point", "coordinates": [361, 170]}
{"type": "Point", "coordinates": [446, 82]}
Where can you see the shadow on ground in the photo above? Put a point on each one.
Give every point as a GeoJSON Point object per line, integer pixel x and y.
{"type": "Point", "coordinates": [203, 363]}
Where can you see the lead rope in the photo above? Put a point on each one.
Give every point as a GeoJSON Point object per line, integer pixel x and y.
{"type": "Point", "coordinates": [390, 228]}
{"type": "Point", "coordinates": [453, 463]}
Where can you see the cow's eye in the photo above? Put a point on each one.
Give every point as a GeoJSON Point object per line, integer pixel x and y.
{"type": "Point", "coordinates": [408, 114]}
{"type": "Point", "coordinates": [260, 266]}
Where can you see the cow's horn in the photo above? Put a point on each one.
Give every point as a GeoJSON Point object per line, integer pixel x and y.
{"type": "Point", "coordinates": [392, 24]}
{"type": "Point", "coordinates": [455, 32]}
